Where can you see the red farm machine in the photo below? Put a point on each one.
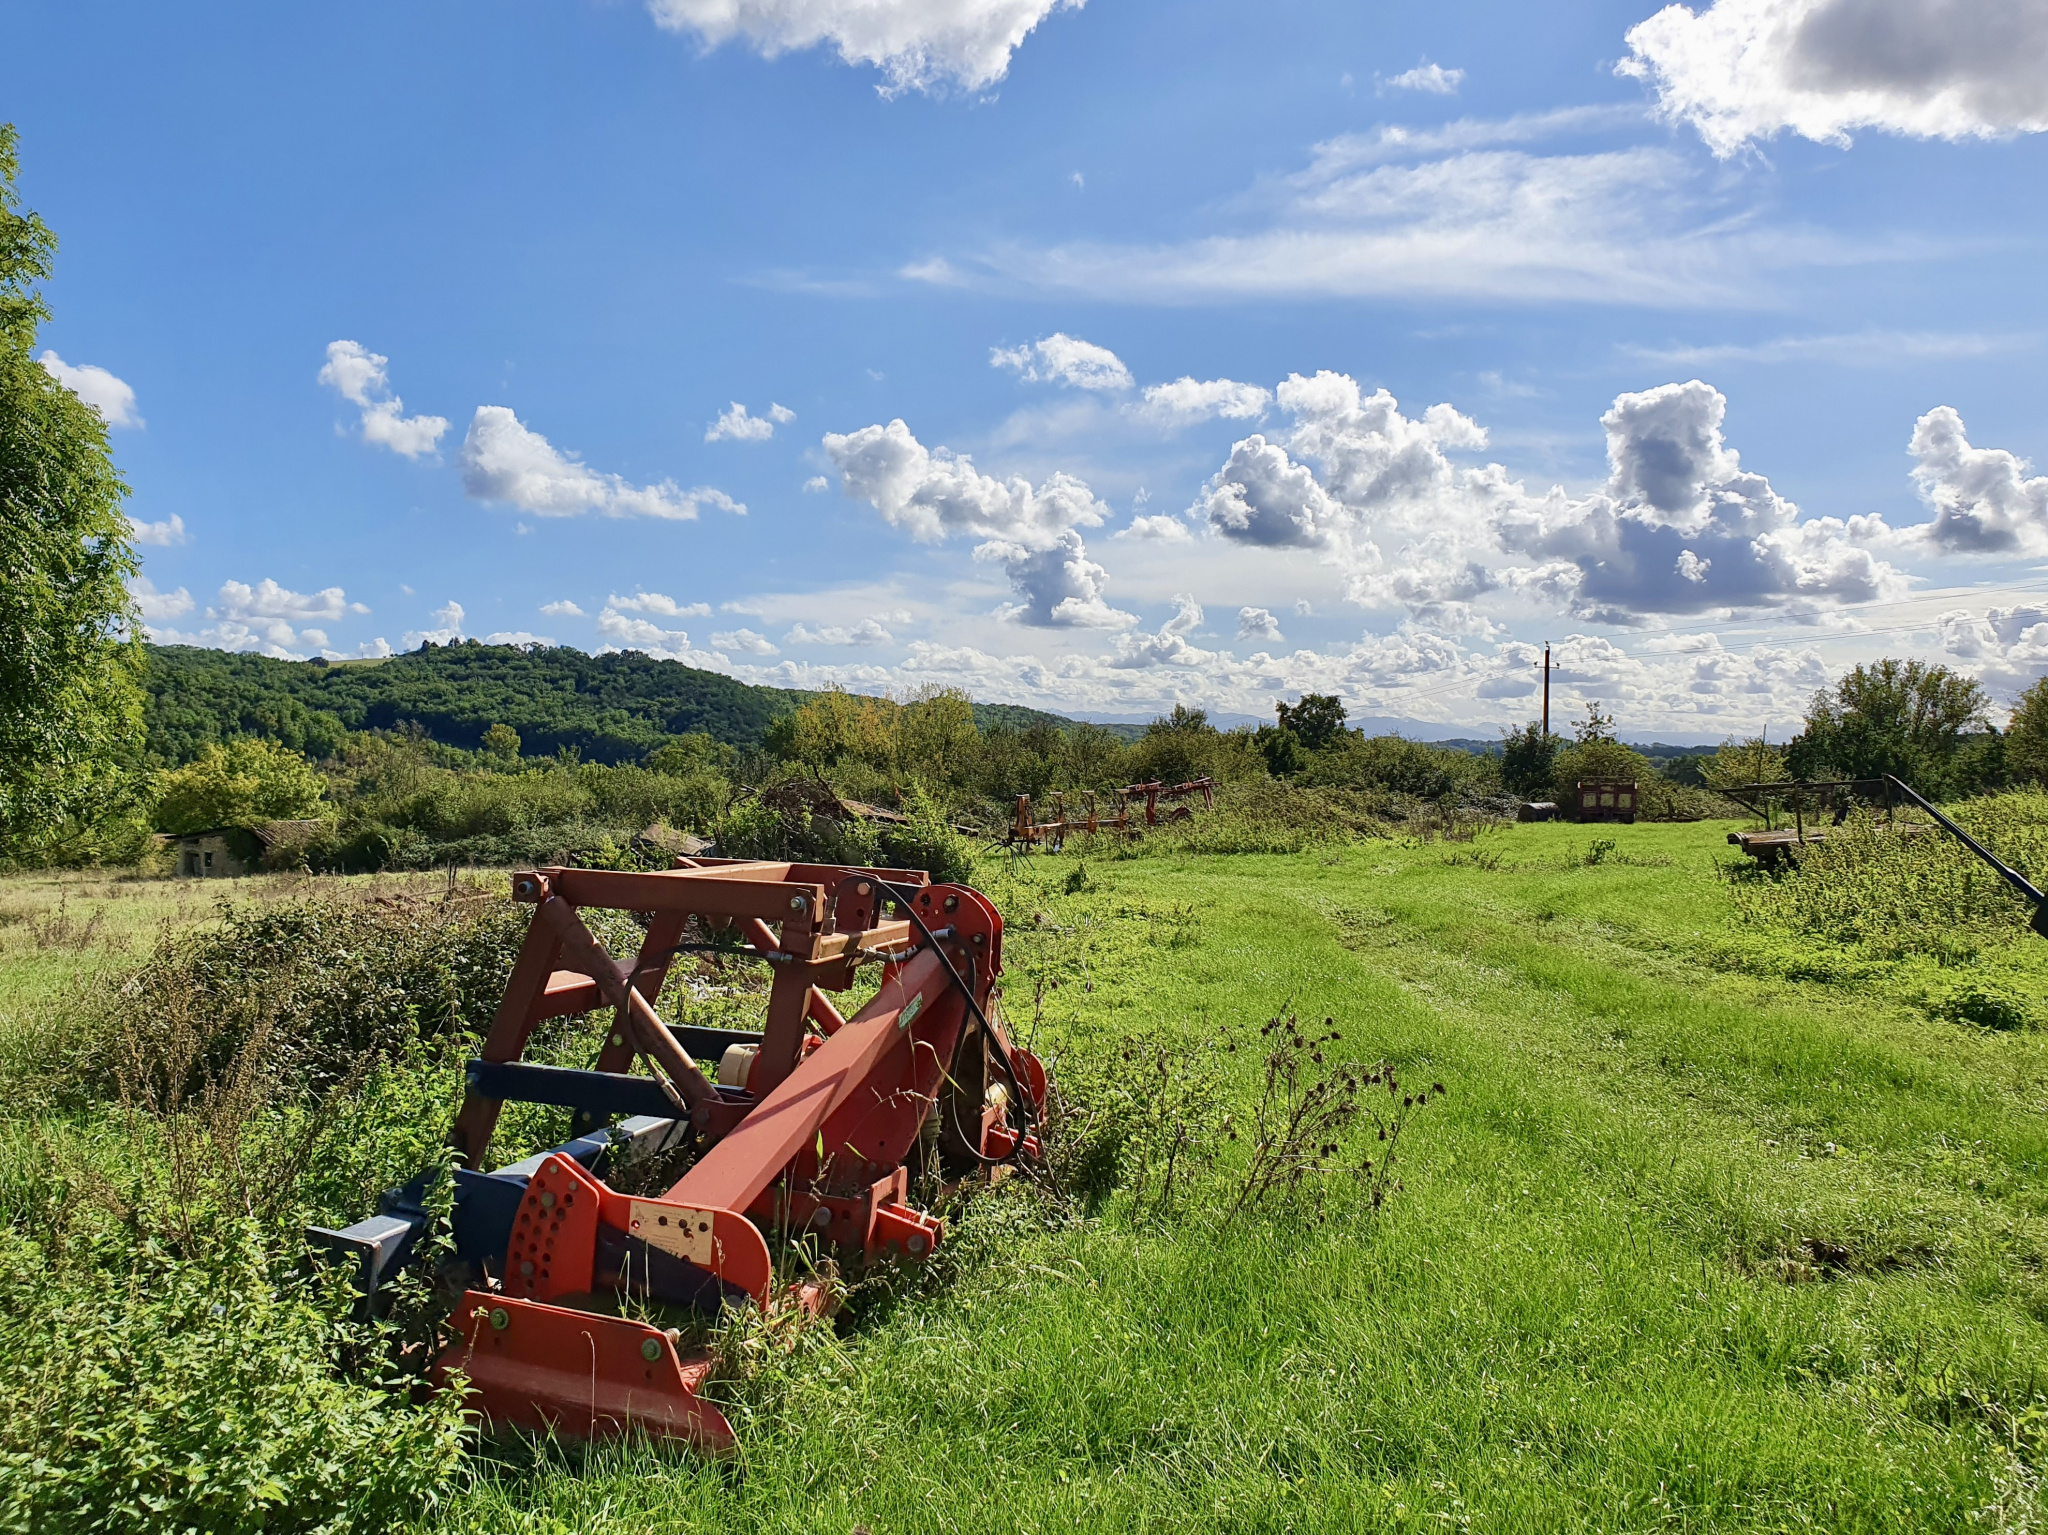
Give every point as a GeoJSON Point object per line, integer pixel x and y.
{"type": "Point", "coordinates": [799, 1139]}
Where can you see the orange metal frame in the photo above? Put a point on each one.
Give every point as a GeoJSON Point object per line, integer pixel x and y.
{"type": "Point", "coordinates": [816, 1143]}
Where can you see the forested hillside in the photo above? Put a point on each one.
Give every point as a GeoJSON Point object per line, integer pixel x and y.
{"type": "Point", "coordinates": [608, 708]}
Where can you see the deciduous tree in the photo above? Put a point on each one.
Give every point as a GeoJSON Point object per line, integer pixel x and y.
{"type": "Point", "coordinates": [70, 656]}
{"type": "Point", "coordinates": [1902, 717]}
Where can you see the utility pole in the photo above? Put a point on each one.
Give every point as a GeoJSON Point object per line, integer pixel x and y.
{"type": "Point", "coordinates": [1546, 690]}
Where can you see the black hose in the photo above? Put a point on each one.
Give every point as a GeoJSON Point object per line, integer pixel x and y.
{"type": "Point", "coordinates": [903, 895]}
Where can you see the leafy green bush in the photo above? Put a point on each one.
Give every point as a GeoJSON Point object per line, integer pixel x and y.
{"type": "Point", "coordinates": [150, 1392]}
{"type": "Point", "coordinates": [1396, 765]}
{"type": "Point", "coordinates": [1910, 891]}
{"type": "Point", "coordinates": [928, 842]}
{"type": "Point", "coordinates": [336, 983]}
{"type": "Point", "coordinates": [799, 820]}
{"type": "Point", "coordinates": [1266, 815]}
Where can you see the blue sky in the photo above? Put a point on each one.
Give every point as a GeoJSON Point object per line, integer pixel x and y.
{"type": "Point", "coordinates": [1093, 356]}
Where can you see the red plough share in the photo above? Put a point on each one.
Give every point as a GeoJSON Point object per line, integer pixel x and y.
{"type": "Point", "coordinates": [804, 1134]}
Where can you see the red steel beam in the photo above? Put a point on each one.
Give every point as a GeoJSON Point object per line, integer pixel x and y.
{"type": "Point", "coordinates": [732, 1174]}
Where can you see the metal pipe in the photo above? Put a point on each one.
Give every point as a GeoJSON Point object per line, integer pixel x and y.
{"type": "Point", "coordinates": [2012, 876]}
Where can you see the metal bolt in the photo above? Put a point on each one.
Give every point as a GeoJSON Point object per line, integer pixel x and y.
{"type": "Point", "coordinates": [916, 1244]}
{"type": "Point", "coordinates": [500, 1319]}
{"type": "Point", "coordinates": [862, 887]}
{"type": "Point", "coordinates": [547, 1199]}
{"type": "Point", "coordinates": [821, 1218]}
{"type": "Point", "coordinates": [526, 1269]}
{"type": "Point", "coordinates": [650, 1349]}
{"type": "Point", "coordinates": [796, 903]}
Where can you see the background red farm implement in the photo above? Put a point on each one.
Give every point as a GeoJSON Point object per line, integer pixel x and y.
{"type": "Point", "coordinates": [1123, 814]}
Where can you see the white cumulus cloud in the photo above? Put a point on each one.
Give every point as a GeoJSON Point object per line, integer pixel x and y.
{"type": "Point", "coordinates": [267, 618]}
{"type": "Point", "coordinates": [1059, 586]}
{"type": "Point", "coordinates": [744, 640]}
{"type": "Point", "coordinates": [1158, 528]}
{"type": "Point", "coordinates": [505, 461]}
{"type": "Point", "coordinates": [563, 609]}
{"type": "Point", "coordinates": [734, 424]}
{"type": "Point", "coordinates": [932, 493]}
{"type": "Point", "coordinates": [448, 620]}
{"type": "Point", "coordinates": [1983, 500]}
{"type": "Point", "coordinates": [164, 535]}
{"type": "Point", "coordinates": [659, 604]}
{"type": "Point", "coordinates": [924, 45]}
{"type": "Point", "coordinates": [106, 394]}
{"type": "Point", "coordinates": [2005, 647]}
{"type": "Point", "coordinates": [266, 599]}
{"type": "Point", "coordinates": [1744, 70]}
{"type": "Point", "coordinates": [1257, 624]}
{"type": "Point", "coordinates": [1680, 526]}
{"type": "Point", "coordinates": [358, 375]}
{"type": "Point", "coordinates": [1432, 78]}
{"type": "Point", "coordinates": [1064, 359]}
{"type": "Point", "coordinates": [1188, 400]}
{"type": "Point", "coordinates": [156, 607]}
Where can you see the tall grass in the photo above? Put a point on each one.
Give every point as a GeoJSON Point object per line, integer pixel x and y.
{"type": "Point", "coordinates": [1683, 1246]}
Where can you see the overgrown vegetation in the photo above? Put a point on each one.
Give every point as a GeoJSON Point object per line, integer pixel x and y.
{"type": "Point", "coordinates": [1763, 1239]}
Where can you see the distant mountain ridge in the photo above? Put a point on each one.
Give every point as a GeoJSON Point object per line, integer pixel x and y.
{"type": "Point", "coordinates": [609, 708]}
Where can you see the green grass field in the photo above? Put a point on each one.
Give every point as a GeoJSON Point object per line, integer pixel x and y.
{"type": "Point", "coordinates": [1689, 1243]}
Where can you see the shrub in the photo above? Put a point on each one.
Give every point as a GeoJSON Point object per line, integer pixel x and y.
{"type": "Point", "coordinates": [163, 1395]}
{"type": "Point", "coordinates": [1916, 891]}
{"type": "Point", "coordinates": [927, 841]}
{"type": "Point", "coordinates": [1396, 765]}
{"type": "Point", "coordinates": [800, 820]}
{"type": "Point", "coordinates": [358, 981]}
{"type": "Point", "coordinates": [1266, 815]}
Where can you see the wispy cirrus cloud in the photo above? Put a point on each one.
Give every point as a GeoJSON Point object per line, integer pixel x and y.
{"type": "Point", "coordinates": [1478, 210]}
{"type": "Point", "coordinates": [1862, 349]}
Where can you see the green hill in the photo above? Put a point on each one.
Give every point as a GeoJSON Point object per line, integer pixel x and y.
{"type": "Point", "coordinates": [610, 708]}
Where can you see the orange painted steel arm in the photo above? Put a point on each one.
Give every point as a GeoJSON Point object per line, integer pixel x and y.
{"type": "Point", "coordinates": [733, 1173]}
{"type": "Point", "coordinates": [634, 1011]}
{"type": "Point", "coordinates": [720, 892]}
{"type": "Point", "coordinates": [522, 1007]}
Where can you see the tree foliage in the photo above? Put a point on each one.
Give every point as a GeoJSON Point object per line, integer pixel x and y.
{"type": "Point", "coordinates": [1526, 759]}
{"type": "Point", "coordinates": [1316, 721]}
{"type": "Point", "coordinates": [70, 704]}
{"type": "Point", "coordinates": [1901, 717]}
{"type": "Point", "coordinates": [611, 708]}
{"type": "Point", "coordinates": [2026, 736]}
{"type": "Point", "coordinates": [247, 782]}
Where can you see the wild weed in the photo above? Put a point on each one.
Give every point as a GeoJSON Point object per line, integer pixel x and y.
{"type": "Point", "coordinates": [1309, 1108]}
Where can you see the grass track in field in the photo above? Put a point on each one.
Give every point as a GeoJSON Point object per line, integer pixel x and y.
{"type": "Point", "coordinates": [1683, 1248]}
